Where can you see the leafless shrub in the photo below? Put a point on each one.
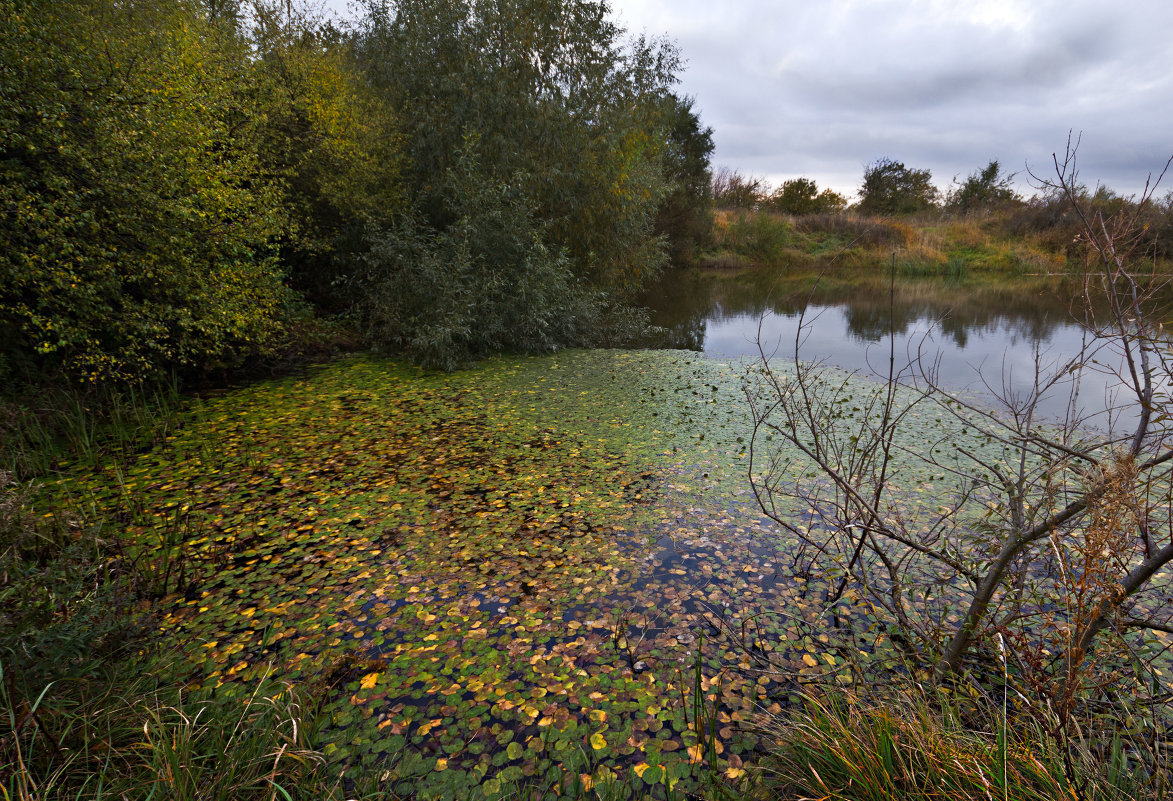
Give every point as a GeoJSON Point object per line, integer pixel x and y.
{"type": "Point", "coordinates": [993, 525]}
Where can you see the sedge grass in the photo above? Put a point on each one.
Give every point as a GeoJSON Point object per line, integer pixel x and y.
{"type": "Point", "coordinates": [908, 751]}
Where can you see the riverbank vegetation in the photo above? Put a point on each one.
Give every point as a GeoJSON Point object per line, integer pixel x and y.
{"type": "Point", "coordinates": [980, 228]}
{"type": "Point", "coordinates": [240, 560]}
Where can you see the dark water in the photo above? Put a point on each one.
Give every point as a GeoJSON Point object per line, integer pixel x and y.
{"type": "Point", "coordinates": [983, 340]}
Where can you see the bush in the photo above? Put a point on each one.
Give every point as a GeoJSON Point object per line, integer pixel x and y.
{"type": "Point", "coordinates": [858, 231]}
{"type": "Point", "coordinates": [986, 190]}
{"type": "Point", "coordinates": [891, 188]}
{"type": "Point", "coordinates": [801, 196]}
{"type": "Point", "coordinates": [486, 283]}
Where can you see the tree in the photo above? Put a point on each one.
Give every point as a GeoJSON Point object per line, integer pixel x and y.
{"type": "Point", "coordinates": [1039, 536]}
{"type": "Point", "coordinates": [686, 216]}
{"type": "Point", "coordinates": [984, 190]}
{"type": "Point", "coordinates": [333, 142]}
{"type": "Point", "coordinates": [799, 196]}
{"type": "Point", "coordinates": [556, 103]}
{"type": "Point", "coordinates": [560, 129]}
{"type": "Point", "coordinates": [138, 218]}
{"type": "Point", "coordinates": [891, 188]}
{"type": "Point", "coordinates": [732, 190]}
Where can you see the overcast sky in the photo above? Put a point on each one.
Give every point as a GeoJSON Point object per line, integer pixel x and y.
{"type": "Point", "coordinates": [820, 88]}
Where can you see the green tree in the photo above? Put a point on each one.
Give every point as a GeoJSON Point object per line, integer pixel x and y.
{"type": "Point", "coordinates": [983, 190]}
{"type": "Point", "coordinates": [686, 216]}
{"type": "Point", "coordinates": [333, 142]}
{"type": "Point", "coordinates": [557, 105]}
{"type": "Point", "coordinates": [137, 215]}
{"type": "Point", "coordinates": [800, 196]}
{"type": "Point", "coordinates": [559, 127]}
{"type": "Point", "coordinates": [486, 282]}
{"type": "Point", "coordinates": [891, 188]}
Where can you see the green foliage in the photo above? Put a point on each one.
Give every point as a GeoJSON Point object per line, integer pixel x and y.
{"type": "Point", "coordinates": [538, 149]}
{"type": "Point", "coordinates": [985, 190]}
{"type": "Point", "coordinates": [138, 216]}
{"type": "Point", "coordinates": [800, 196]}
{"type": "Point", "coordinates": [891, 188]}
{"type": "Point", "coordinates": [334, 142]}
{"type": "Point", "coordinates": [762, 237]}
{"type": "Point", "coordinates": [486, 282]}
{"type": "Point", "coordinates": [686, 216]}
{"type": "Point", "coordinates": [557, 106]}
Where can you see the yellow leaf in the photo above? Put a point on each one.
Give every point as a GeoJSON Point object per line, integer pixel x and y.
{"type": "Point", "coordinates": [810, 660]}
{"type": "Point", "coordinates": [640, 768]}
{"type": "Point", "coordinates": [368, 681]}
{"type": "Point", "coordinates": [734, 773]}
{"type": "Point", "coordinates": [695, 754]}
{"type": "Point", "coordinates": [441, 764]}
{"type": "Point", "coordinates": [598, 741]}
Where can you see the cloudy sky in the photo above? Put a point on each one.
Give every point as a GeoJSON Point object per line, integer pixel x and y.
{"type": "Point", "coordinates": [820, 88]}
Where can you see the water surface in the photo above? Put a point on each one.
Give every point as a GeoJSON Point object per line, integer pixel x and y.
{"type": "Point", "coordinates": [984, 340]}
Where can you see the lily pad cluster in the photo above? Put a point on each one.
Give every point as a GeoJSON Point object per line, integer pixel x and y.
{"type": "Point", "coordinates": [542, 569]}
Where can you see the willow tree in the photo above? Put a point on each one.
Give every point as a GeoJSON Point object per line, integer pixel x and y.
{"type": "Point", "coordinates": [557, 122]}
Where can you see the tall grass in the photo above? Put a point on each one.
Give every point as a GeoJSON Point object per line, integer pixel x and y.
{"type": "Point", "coordinates": [923, 744]}
{"type": "Point", "coordinates": [923, 246]}
{"type": "Point", "coordinates": [52, 424]}
{"type": "Point", "coordinates": [906, 752]}
{"type": "Point", "coordinates": [132, 737]}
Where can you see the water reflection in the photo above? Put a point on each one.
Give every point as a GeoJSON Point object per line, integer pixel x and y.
{"type": "Point", "coordinates": [982, 338]}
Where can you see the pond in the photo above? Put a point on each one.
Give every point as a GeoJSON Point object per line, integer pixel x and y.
{"type": "Point", "coordinates": [539, 571]}
{"type": "Point", "coordinates": [981, 339]}
{"type": "Point", "coordinates": [536, 571]}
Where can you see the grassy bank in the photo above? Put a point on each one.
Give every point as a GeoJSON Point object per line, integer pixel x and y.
{"type": "Point", "coordinates": [927, 245]}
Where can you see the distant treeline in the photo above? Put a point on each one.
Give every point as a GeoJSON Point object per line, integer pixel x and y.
{"type": "Point", "coordinates": [188, 185]}
{"type": "Point", "coordinates": [891, 189]}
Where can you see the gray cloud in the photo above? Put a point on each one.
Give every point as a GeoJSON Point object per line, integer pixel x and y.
{"type": "Point", "coordinates": [821, 89]}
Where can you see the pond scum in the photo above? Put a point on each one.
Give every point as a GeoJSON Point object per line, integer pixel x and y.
{"type": "Point", "coordinates": [538, 569]}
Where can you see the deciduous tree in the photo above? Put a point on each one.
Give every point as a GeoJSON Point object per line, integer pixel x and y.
{"type": "Point", "coordinates": [891, 188]}
{"type": "Point", "coordinates": [137, 216]}
{"type": "Point", "coordinates": [984, 190]}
